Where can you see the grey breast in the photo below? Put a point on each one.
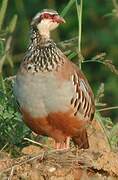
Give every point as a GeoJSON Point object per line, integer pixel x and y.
{"type": "Point", "coordinates": [42, 93]}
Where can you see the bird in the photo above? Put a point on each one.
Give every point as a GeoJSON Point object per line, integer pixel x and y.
{"type": "Point", "coordinates": [54, 96]}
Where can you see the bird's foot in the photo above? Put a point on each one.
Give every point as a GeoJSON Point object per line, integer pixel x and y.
{"type": "Point", "coordinates": [63, 145]}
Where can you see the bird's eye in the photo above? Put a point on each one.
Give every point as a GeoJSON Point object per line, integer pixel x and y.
{"type": "Point", "coordinates": [46, 16]}
{"type": "Point", "coordinates": [54, 15]}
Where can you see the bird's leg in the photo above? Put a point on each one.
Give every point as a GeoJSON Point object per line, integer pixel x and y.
{"type": "Point", "coordinates": [62, 145]}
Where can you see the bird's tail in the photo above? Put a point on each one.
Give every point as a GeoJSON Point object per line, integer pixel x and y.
{"type": "Point", "coordinates": [81, 139]}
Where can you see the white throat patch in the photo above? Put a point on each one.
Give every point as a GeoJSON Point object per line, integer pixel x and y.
{"type": "Point", "coordinates": [45, 26]}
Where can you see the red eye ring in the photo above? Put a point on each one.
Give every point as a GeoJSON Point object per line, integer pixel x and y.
{"type": "Point", "coordinates": [45, 16]}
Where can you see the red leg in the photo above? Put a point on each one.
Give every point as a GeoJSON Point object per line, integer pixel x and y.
{"type": "Point", "coordinates": [62, 145]}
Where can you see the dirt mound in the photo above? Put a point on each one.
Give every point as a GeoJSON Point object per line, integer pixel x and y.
{"type": "Point", "coordinates": [96, 163]}
{"type": "Point", "coordinates": [52, 164]}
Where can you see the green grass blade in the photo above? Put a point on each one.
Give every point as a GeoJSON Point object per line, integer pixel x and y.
{"type": "Point", "coordinates": [1, 47]}
{"type": "Point", "coordinates": [12, 24]}
{"type": "Point", "coordinates": [79, 15]}
{"type": "Point", "coordinates": [72, 55]}
{"type": "Point", "coordinates": [10, 61]}
{"type": "Point", "coordinates": [67, 8]}
{"type": "Point", "coordinates": [3, 11]}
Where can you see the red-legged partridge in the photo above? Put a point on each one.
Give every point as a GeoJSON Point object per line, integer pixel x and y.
{"type": "Point", "coordinates": [54, 96]}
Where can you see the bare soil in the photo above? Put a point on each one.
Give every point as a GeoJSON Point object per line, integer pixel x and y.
{"type": "Point", "coordinates": [96, 163]}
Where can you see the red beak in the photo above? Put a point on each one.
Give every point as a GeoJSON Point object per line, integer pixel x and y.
{"type": "Point", "coordinates": [59, 19]}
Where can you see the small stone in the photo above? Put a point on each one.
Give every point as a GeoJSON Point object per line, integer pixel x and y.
{"type": "Point", "coordinates": [52, 169]}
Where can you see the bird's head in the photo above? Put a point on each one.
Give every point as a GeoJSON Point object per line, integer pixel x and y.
{"type": "Point", "coordinates": [46, 21]}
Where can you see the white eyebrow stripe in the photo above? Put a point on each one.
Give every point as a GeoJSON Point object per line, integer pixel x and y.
{"type": "Point", "coordinates": [49, 12]}
{"type": "Point", "coordinates": [39, 14]}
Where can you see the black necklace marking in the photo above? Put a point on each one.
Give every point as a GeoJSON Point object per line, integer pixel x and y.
{"type": "Point", "coordinates": [42, 54]}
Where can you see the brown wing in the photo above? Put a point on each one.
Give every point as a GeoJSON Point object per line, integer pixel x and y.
{"type": "Point", "coordinates": [83, 99]}
{"type": "Point", "coordinates": [83, 105]}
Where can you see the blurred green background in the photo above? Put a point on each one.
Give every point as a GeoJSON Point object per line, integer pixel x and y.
{"type": "Point", "coordinates": [99, 34]}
